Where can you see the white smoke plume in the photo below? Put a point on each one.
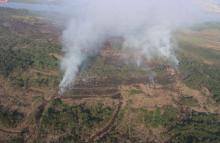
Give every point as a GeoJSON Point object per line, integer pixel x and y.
{"type": "Point", "coordinates": [145, 25]}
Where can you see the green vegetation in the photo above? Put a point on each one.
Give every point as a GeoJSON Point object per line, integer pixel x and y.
{"type": "Point", "coordinates": [198, 75]}
{"type": "Point", "coordinates": [196, 72]}
{"type": "Point", "coordinates": [156, 118]}
{"type": "Point", "coordinates": [116, 137]}
{"type": "Point", "coordinates": [31, 52]}
{"type": "Point", "coordinates": [181, 127]}
{"type": "Point", "coordinates": [20, 51]}
{"type": "Point", "coordinates": [14, 62]}
{"type": "Point", "coordinates": [11, 60]}
{"type": "Point", "coordinates": [210, 25]}
{"type": "Point", "coordinates": [200, 54]}
{"type": "Point", "coordinates": [196, 128]}
{"type": "Point", "coordinates": [9, 12]}
{"type": "Point", "coordinates": [152, 119]}
{"type": "Point", "coordinates": [188, 101]}
{"type": "Point", "coordinates": [135, 91]}
{"type": "Point", "coordinates": [18, 139]}
{"type": "Point", "coordinates": [10, 118]}
{"type": "Point", "coordinates": [75, 121]}
{"type": "Point", "coordinates": [192, 127]}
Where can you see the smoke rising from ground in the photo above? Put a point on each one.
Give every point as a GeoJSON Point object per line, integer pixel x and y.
{"type": "Point", "coordinates": [145, 25]}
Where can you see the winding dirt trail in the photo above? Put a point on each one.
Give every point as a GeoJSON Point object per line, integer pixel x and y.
{"type": "Point", "coordinates": [102, 93]}
{"type": "Point", "coordinates": [108, 127]}
{"type": "Point", "coordinates": [10, 131]}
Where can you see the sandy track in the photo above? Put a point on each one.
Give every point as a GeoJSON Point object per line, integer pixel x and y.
{"type": "Point", "coordinates": [10, 131]}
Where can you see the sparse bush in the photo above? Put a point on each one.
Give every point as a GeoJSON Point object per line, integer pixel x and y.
{"type": "Point", "coordinates": [135, 91]}
{"type": "Point", "coordinates": [74, 121]}
{"type": "Point", "coordinates": [188, 101]}
{"type": "Point", "coordinates": [156, 118]}
{"type": "Point", "coordinates": [10, 118]}
{"type": "Point", "coordinates": [153, 118]}
{"type": "Point", "coordinates": [11, 59]}
{"type": "Point", "coordinates": [198, 75]}
{"type": "Point", "coordinates": [196, 128]}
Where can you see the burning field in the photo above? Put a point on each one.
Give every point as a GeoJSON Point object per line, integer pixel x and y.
{"type": "Point", "coordinates": [115, 93]}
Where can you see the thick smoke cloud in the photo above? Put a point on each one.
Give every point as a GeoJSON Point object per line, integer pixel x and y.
{"type": "Point", "coordinates": [145, 25]}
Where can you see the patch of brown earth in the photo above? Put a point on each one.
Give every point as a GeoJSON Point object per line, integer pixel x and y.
{"type": "Point", "coordinates": [151, 98]}
{"type": "Point", "coordinates": [206, 103]}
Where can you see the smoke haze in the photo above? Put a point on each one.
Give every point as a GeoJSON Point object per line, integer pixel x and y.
{"type": "Point", "coordinates": [145, 25]}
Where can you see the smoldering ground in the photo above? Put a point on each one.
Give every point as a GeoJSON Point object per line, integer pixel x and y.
{"type": "Point", "coordinates": [145, 25]}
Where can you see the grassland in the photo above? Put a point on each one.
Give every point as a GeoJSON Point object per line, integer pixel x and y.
{"type": "Point", "coordinates": [200, 65]}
